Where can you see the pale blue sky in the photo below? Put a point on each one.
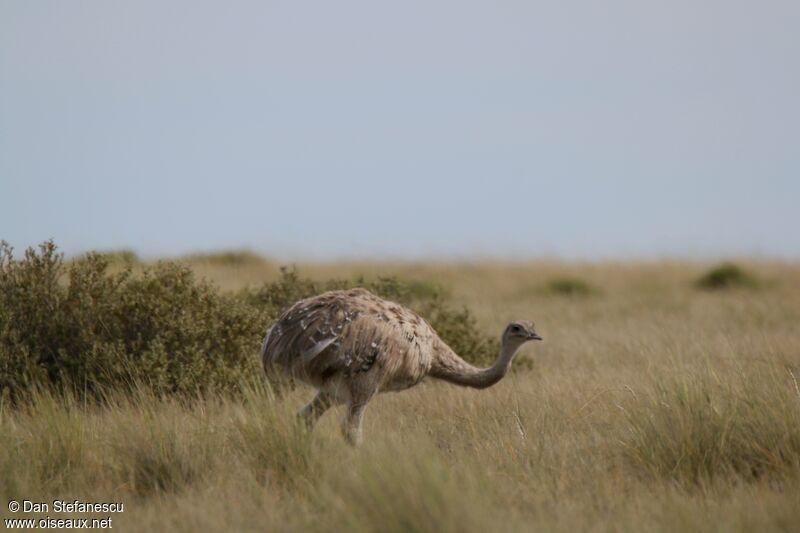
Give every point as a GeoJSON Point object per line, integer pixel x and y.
{"type": "Point", "coordinates": [577, 129]}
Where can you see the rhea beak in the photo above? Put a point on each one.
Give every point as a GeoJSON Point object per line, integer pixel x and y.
{"type": "Point", "coordinates": [534, 337]}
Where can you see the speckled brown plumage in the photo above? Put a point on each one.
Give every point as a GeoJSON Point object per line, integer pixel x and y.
{"type": "Point", "coordinates": [351, 344]}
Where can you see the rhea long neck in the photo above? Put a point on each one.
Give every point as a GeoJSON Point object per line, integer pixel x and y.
{"type": "Point", "coordinates": [450, 367]}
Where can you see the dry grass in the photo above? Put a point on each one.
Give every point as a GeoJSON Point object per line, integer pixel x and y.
{"type": "Point", "coordinates": [651, 406]}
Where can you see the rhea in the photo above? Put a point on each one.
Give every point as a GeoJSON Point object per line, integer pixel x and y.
{"type": "Point", "coordinates": [350, 345]}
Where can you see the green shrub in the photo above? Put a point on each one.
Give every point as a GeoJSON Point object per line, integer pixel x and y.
{"type": "Point", "coordinates": [83, 327]}
{"type": "Point", "coordinates": [725, 276]}
{"type": "Point", "coordinates": [276, 296]}
{"type": "Point", "coordinates": [568, 287]}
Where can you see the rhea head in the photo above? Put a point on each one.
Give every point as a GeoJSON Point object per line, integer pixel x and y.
{"type": "Point", "coordinates": [520, 331]}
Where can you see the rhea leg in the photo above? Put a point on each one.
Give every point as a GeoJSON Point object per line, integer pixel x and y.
{"type": "Point", "coordinates": [361, 392]}
{"type": "Point", "coordinates": [351, 425]}
{"type": "Point", "coordinates": [315, 409]}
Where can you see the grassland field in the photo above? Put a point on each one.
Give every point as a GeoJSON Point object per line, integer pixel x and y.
{"type": "Point", "coordinates": [651, 405]}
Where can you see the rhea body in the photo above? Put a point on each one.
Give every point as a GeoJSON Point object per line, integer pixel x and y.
{"type": "Point", "coordinates": [351, 345]}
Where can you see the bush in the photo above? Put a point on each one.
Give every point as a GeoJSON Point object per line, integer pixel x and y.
{"type": "Point", "coordinates": [83, 327]}
{"type": "Point", "coordinates": [569, 287]}
{"type": "Point", "coordinates": [726, 276]}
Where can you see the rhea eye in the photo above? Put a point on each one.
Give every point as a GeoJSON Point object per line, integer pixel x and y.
{"type": "Point", "coordinates": [515, 329]}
